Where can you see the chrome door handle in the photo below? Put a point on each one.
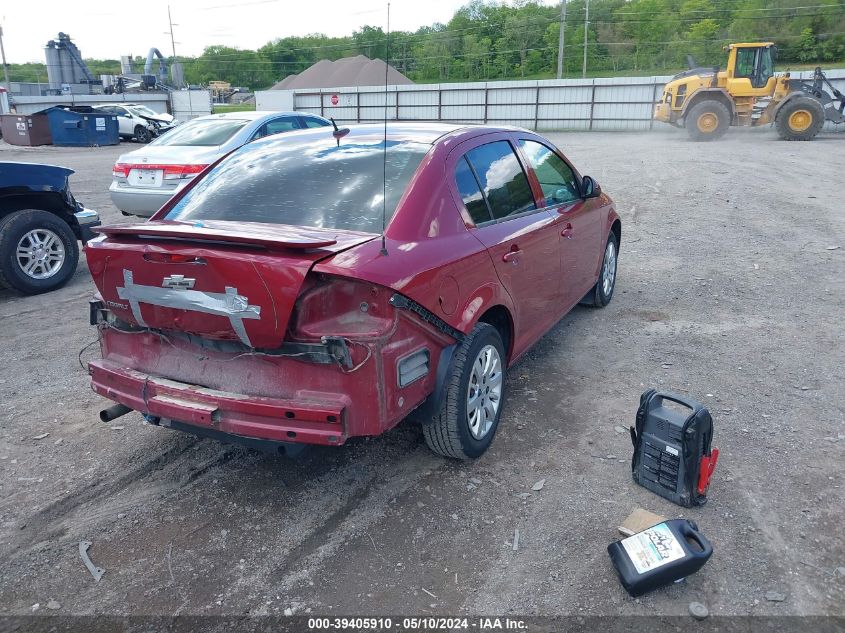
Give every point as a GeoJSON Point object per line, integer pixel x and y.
{"type": "Point", "coordinates": [511, 255]}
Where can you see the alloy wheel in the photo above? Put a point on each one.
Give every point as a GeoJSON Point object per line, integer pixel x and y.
{"type": "Point", "coordinates": [608, 271]}
{"type": "Point", "coordinates": [484, 392]}
{"type": "Point", "coordinates": [40, 253]}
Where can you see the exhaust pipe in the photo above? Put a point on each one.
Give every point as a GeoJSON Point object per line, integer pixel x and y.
{"type": "Point", "coordinates": [114, 412]}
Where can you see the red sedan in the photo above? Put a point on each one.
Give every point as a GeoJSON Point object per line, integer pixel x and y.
{"type": "Point", "coordinates": [327, 285]}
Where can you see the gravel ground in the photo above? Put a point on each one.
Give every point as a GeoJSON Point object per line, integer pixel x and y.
{"type": "Point", "coordinates": [730, 290]}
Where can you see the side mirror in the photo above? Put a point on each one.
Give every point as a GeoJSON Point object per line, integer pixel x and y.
{"type": "Point", "coordinates": [590, 187]}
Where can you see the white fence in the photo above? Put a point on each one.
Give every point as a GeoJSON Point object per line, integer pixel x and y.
{"type": "Point", "coordinates": [189, 104]}
{"type": "Point", "coordinates": [617, 103]}
{"type": "Point", "coordinates": [184, 104]}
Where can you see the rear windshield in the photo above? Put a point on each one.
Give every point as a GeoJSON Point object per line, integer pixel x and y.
{"type": "Point", "coordinates": [319, 184]}
{"type": "Point", "coordinates": [202, 133]}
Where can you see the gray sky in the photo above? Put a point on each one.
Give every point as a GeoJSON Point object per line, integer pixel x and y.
{"type": "Point", "coordinates": [107, 30]}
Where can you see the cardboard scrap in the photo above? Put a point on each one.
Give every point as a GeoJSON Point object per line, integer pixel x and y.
{"type": "Point", "coordinates": [638, 521]}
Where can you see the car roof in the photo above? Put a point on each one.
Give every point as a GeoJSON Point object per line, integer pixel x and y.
{"type": "Point", "coordinates": [418, 132]}
{"type": "Point", "coordinates": [250, 115]}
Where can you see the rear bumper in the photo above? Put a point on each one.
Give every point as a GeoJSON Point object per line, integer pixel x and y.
{"type": "Point", "coordinates": [305, 420]}
{"type": "Point", "coordinates": [139, 201]}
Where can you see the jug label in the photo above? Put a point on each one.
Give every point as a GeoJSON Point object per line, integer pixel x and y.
{"type": "Point", "coordinates": [652, 548]}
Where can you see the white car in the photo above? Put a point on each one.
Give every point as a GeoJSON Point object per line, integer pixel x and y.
{"type": "Point", "coordinates": [146, 178]}
{"type": "Point", "coordinates": [137, 121]}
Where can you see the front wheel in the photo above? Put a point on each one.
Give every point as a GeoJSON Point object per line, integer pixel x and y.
{"type": "Point", "coordinates": [38, 251]}
{"type": "Point", "coordinates": [800, 119]}
{"type": "Point", "coordinates": [142, 134]}
{"type": "Point", "coordinates": [707, 120]}
{"type": "Point", "coordinates": [469, 416]}
{"type": "Point", "coordinates": [602, 292]}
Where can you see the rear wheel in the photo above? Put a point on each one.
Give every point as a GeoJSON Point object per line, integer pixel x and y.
{"type": "Point", "coordinates": [800, 119]}
{"type": "Point", "coordinates": [142, 134]}
{"type": "Point", "coordinates": [707, 120]}
{"type": "Point", "coordinates": [469, 416]}
{"type": "Point", "coordinates": [38, 251]}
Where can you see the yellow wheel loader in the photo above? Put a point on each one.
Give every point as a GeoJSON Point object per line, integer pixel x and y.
{"type": "Point", "coordinates": [707, 101]}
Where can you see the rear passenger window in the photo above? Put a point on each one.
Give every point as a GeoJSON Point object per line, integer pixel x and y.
{"type": "Point", "coordinates": [314, 122]}
{"type": "Point", "coordinates": [471, 193]}
{"type": "Point", "coordinates": [502, 180]}
{"type": "Point", "coordinates": [276, 126]}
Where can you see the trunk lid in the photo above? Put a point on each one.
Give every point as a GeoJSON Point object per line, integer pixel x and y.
{"type": "Point", "coordinates": [231, 281]}
{"type": "Point", "coordinates": [163, 166]}
{"type": "Point", "coordinates": [172, 155]}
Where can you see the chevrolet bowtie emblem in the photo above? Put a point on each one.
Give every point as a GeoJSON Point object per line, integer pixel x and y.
{"type": "Point", "coordinates": [179, 282]}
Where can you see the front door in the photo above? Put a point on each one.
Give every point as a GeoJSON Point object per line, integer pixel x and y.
{"type": "Point", "coordinates": [574, 217]}
{"type": "Point", "coordinates": [522, 240]}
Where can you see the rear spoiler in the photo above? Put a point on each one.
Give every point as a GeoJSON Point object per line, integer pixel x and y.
{"type": "Point", "coordinates": [246, 233]}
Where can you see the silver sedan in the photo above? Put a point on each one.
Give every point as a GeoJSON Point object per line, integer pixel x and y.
{"type": "Point", "coordinates": [144, 179]}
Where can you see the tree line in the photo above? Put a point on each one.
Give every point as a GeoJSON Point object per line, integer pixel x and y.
{"type": "Point", "coordinates": [492, 41]}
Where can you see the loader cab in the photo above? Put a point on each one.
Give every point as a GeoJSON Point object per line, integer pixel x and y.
{"type": "Point", "coordinates": [751, 70]}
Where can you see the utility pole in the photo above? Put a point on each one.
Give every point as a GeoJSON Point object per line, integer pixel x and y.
{"type": "Point", "coordinates": [172, 39]}
{"type": "Point", "coordinates": [561, 40]}
{"type": "Point", "coordinates": [586, 28]}
{"type": "Point", "coordinates": [5, 68]}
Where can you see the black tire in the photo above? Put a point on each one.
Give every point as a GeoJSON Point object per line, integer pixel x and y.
{"type": "Point", "coordinates": [142, 134]}
{"type": "Point", "coordinates": [800, 119]}
{"type": "Point", "coordinates": [449, 433]}
{"type": "Point", "coordinates": [13, 229]}
{"type": "Point", "coordinates": [707, 120]}
{"type": "Point", "coordinates": [599, 296]}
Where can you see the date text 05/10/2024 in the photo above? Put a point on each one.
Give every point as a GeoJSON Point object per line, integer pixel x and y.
{"type": "Point", "coordinates": [426, 623]}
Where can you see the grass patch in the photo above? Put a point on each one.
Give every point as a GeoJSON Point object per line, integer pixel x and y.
{"type": "Point", "coordinates": [220, 108]}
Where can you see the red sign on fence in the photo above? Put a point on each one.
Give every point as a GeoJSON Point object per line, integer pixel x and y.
{"type": "Point", "coordinates": [334, 99]}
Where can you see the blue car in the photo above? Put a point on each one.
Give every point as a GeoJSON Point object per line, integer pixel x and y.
{"type": "Point", "coordinates": [143, 180]}
{"type": "Point", "coordinates": [40, 224]}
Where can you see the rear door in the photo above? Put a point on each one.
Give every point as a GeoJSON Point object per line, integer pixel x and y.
{"type": "Point", "coordinates": [522, 240]}
{"type": "Point", "coordinates": [578, 221]}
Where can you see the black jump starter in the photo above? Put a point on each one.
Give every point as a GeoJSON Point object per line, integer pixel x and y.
{"type": "Point", "coordinates": [672, 453]}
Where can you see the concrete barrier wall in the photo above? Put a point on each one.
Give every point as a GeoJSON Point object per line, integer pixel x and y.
{"type": "Point", "coordinates": [29, 105]}
{"type": "Point", "coordinates": [615, 103]}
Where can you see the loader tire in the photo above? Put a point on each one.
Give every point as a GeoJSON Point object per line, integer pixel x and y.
{"type": "Point", "coordinates": [707, 120]}
{"type": "Point", "coordinates": [800, 119]}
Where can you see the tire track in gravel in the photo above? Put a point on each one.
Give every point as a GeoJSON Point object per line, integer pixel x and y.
{"type": "Point", "coordinates": [291, 495]}
{"type": "Point", "coordinates": [39, 526]}
{"type": "Point", "coordinates": [320, 543]}
{"type": "Point", "coordinates": [432, 550]}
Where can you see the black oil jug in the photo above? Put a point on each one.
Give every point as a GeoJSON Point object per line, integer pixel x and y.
{"type": "Point", "coordinates": [659, 555]}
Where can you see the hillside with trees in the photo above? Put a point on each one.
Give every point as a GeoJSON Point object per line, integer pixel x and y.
{"type": "Point", "coordinates": [487, 40]}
